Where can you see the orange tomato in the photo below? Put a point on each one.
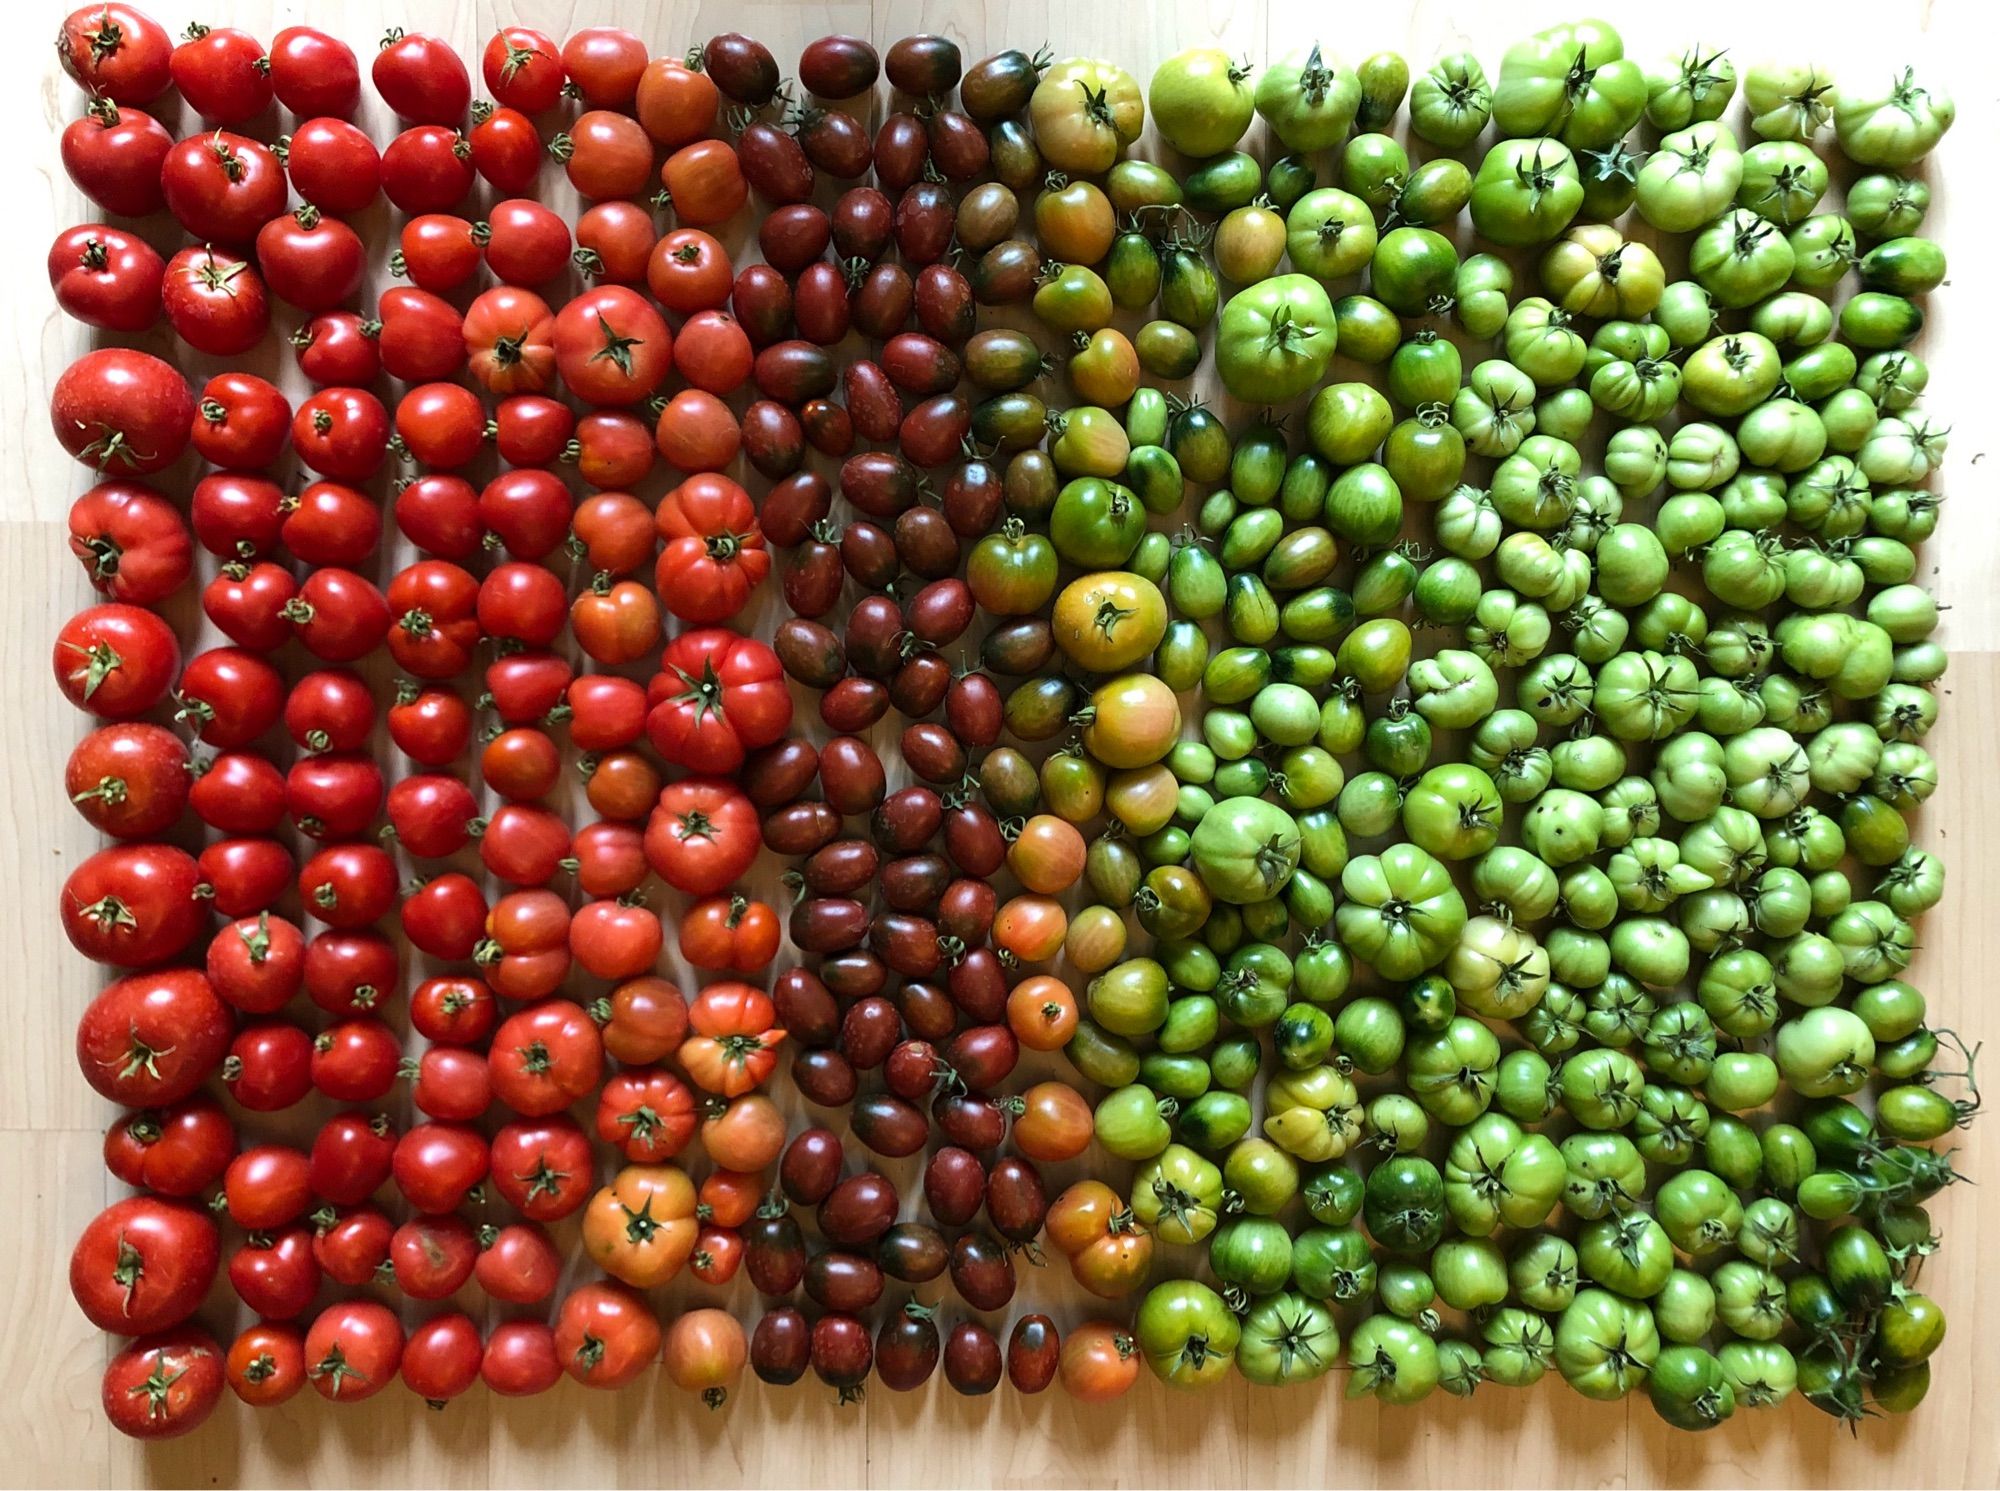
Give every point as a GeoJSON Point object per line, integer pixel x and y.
{"type": "Point", "coordinates": [1099, 1362]}
{"type": "Point", "coordinates": [640, 1228]}
{"type": "Point", "coordinates": [1042, 1013]}
{"type": "Point", "coordinates": [1031, 928]}
{"type": "Point", "coordinates": [730, 934]}
{"type": "Point", "coordinates": [1109, 1252]}
{"type": "Point", "coordinates": [1055, 1124]}
{"type": "Point", "coordinates": [729, 1198]}
{"type": "Point", "coordinates": [746, 1134]}
{"type": "Point", "coordinates": [735, 1042]}
{"type": "Point", "coordinates": [623, 785]}
{"type": "Point", "coordinates": [1047, 856]}
{"type": "Point", "coordinates": [616, 621]}
{"type": "Point", "coordinates": [616, 531]}
{"type": "Point", "coordinates": [675, 104]}
{"type": "Point", "coordinates": [705, 182]}
{"type": "Point", "coordinates": [644, 1020]}
{"type": "Point", "coordinates": [698, 432]}
{"type": "Point", "coordinates": [704, 1353]}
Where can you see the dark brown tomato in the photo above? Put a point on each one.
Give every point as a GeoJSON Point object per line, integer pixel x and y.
{"type": "Point", "coordinates": [888, 1126]}
{"type": "Point", "coordinates": [987, 214]}
{"type": "Point", "coordinates": [875, 635]}
{"type": "Point", "coordinates": [972, 1357]}
{"type": "Point", "coordinates": [958, 146]}
{"type": "Point", "coordinates": [774, 1250]}
{"type": "Point", "coordinates": [1020, 648]}
{"type": "Point", "coordinates": [872, 401]}
{"type": "Point", "coordinates": [1009, 782]}
{"type": "Point", "coordinates": [793, 371]}
{"type": "Point", "coordinates": [924, 66]}
{"type": "Point", "coordinates": [912, 1252]}
{"type": "Point", "coordinates": [811, 653]}
{"type": "Point", "coordinates": [907, 820]}
{"type": "Point", "coordinates": [775, 164]}
{"type": "Point", "coordinates": [869, 1032]}
{"type": "Point", "coordinates": [1004, 361]}
{"type": "Point", "coordinates": [933, 753]}
{"type": "Point", "coordinates": [841, 1354]}
{"type": "Point", "coordinates": [793, 236]}
{"type": "Point", "coordinates": [825, 1078]}
{"type": "Point", "coordinates": [793, 505]}
{"type": "Point", "coordinates": [973, 840]}
{"type": "Point", "coordinates": [983, 1274]}
{"type": "Point", "coordinates": [978, 986]}
{"type": "Point", "coordinates": [913, 883]}
{"type": "Point", "coordinates": [927, 1010]}
{"type": "Point", "coordinates": [778, 773]}
{"type": "Point", "coordinates": [1034, 1350]}
{"type": "Point", "coordinates": [857, 974]}
{"type": "Point", "coordinates": [902, 149]}
{"type": "Point", "coordinates": [772, 439]}
{"type": "Point", "coordinates": [762, 301]}
{"type": "Point", "coordinates": [973, 497]}
{"type": "Point", "coordinates": [908, 944]}
{"type": "Point", "coordinates": [864, 222]}
{"type": "Point", "coordinates": [868, 553]}
{"type": "Point", "coordinates": [966, 911]}
{"type": "Point", "coordinates": [828, 924]}
{"type": "Point", "coordinates": [835, 143]}
{"type": "Point", "coordinates": [883, 302]}
{"type": "Point", "coordinates": [852, 776]}
{"type": "Point", "coordinates": [983, 1056]}
{"type": "Point", "coordinates": [1032, 484]}
{"type": "Point", "coordinates": [1007, 273]}
{"type": "Point", "coordinates": [920, 365]}
{"type": "Point", "coordinates": [946, 308]}
{"type": "Point", "coordinates": [940, 612]}
{"type": "Point", "coordinates": [854, 704]}
{"type": "Point", "coordinates": [925, 213]}
{"type": "Point", "coordinates": [860, 1209]}
{"type": "Point", "coordinates": [906, 1347]}
{"type": "Point", "coordinates": [954, 1186]}
{"type": "Point", "coordinates": [970, 1120]}
{"type": "Point", "coordinates": [742, 67]}
{"type": "Point", "coordinates": [1016, 1200]}
{"type": "Point", "coordinates": [799, 828]}
{"type": "Point", "coordinates": [911, 1072]}
{"type": "Point", "coordinates": [828, 429]}
{"type": "Point", "coordinates": [1000, 87]}
{"type": "Point", "coordinates": [1017, 161]}
{"type": "Point", "coordinates": [926, 544]}
{"type": "Point", "coordinates": [839, 67]}
{"type": "Point", "coordinates": [819, 304]}
{"type": "Point", "coordinates": [879, 483]}
{"type": "Point", "coordinates": [843, 1281]}
{"type": "Point", "coordinates": [919, 685]}
{"type": "Point", "coordinates": [810, 1168]}
{"type": "Point", "coordinates": [813, 581]}
{"type": "Point", "coordinates": [842, 868]}
{"type": "Point", "coordinates": [972, 710]}
{"type": "Point", "coordinates": [805, 1007]}
{"type": "Point", "coordinates": [781, 1346]}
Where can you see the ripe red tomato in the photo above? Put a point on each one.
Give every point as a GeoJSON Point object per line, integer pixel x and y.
{"type": "Point", "coordinates": [116, 51]}
{"type": "Point", "coordinates": [451, 1082]}
{"type": "Point", "coordinates": [427, 169]}
{"type": "Point", "coordinates": [180, 1149]}
{"type": "Point", "coordinates": [526, 954]}
{"type": "Point", "coordinates": [528, 511]}
{"type": "Point", "coordinates": [520, 1359]}
{"type": "Point", "coordinates": [437, 1164]}
{"type": "Point", "coordinates": [614, 242]}
{"type": "Point", "coordinates": [525, 242]}
{"type": "Point", "coordinates": [506, 149]}
{"type": "Point", "coordinates": [266, 1186]}
{"type": "Point", "coordinates": [114, 156]}
{"type": "Point", "coordinates": [441, 1358]}
{"type": "Point", "coordinates": [337, 347]}
{"type": "Point", "coordinates": [310, 260]}
{"type": "Point", "coordinates": [689, 271]}
{"type": "Point", "coordinates": [717, 697]}
{"type": "Point", "coordinates": [330, 709]}
{"type": "Point", "coordinates": [715, 553]}
{"type": "Point", "coordinates": [342, 433]}
{"type": "Point", "coordinates": [123, 412]}
{"type": "Point", "coordinates": [524, 846]}
{"type": "Point", "coordinates": [334, 795]}
{"type": "Point", "coordinates": [313, 73]}
{"type": "Point", "coordinates": [524, 603]}
{"type": "Point", "coordinates": [543, 1168]}
{"type": "Point", "coordinates": [106, 277]}
{"type": "Point", "coordinates": [615, 621]}
{"type": "Point", "coordinates": [606, 1334]}
{"type": "Point", "coordinates": [353, 1350]}
{"type": "Point", "coordinates": [698, 432]}
{"type": "Point", "coordinates": [445, 916]}
{"type": "Point", "coordinates": [351, 1243]}
{"type": "Point", "coordinates": [713, 353]}
{"type": "Point", "coordinates": [242, 422]}
{"type": "Point", "coordinates": [702, 835]}
{"type": "Point", "coordinates": [348, 885]}
{"type": "Point", "coordinates": [647, 1113]}
{"type": "Point", "coordinates": [338, 615]}
{"type": "Point", "coordinates": [606, 712]}
{"type": "Point", "coordinates": [333, 165]}
{"type": "Point", "coordinates": [355, 1060]}
{"type": "Point", "coordinates": [441, 424]}
{"type": "Point", "coordinates": [522, 764]}
{"type": "Point", "coordinates": [230, 696]}
{"type": "Point", "coordinates": [269, 1066]}
{"type": "Point", "coordinates": [222, 187]}
{"type": "Point", "coordinates": [129, 781]}
{"type": "Point", "coordinates": [532, 429]}
{"type": "Point", "coordinates": [248, 874]}
{"type": "Point", "coordinates": [520, 1266]}
{"type": "Point", "coordinates": [332, 524]}
{"type": "Point", "coordinates": [461, 1011]}
{"type": "Point", "coordinates": [433, 1256]}
{"type": "Point", "coordinates": [730, 934]}
{"type": "Point", "coordinates": [116, 661]}
{"type": "Point", "coordinates": [352, 1155]}
{"type": "Point", "coordinates": [432, 814]}
{"type": "Point", "coordinates": [222, 73]}
{"type": "Point", "coordinates": [612, 347]}
{"type": "Point", "coordinates": [164, 1385]}
{"type": "Point", "coordinates": [422, 337]}
{"type": "Point", "coordinates": [237, 516]}
{"type": "Point", "coordinates": [257, 963]}
{"type": "Point", "coordinates": [421, 78]}
{"type": "Point", "coordinates": [431, 726]}
{"type": "Point", "coordinates": [438, 252]}
{"type": "Point", "coordinates": [606, 155]}
{"type": "Point", "coordinates": [522, 69]}
{"type": "Point", "coordinates": [546, 1057]}
{"type": "Point", "coordinates": [605, 63]}
{"type": "Point", "coordinates": [239, 792]}
{"type": "Point", "coordinates": [276, 1275]}
{"type": "Point", "coordinates": [144, 1265]}
{"type": "Point", "coordinates": [247, 603]}
{"type": "Point", "coordinates": [215, 302]}
{"type": "Point", "coordinates": [613, 449]}
{"type": "Point", "coordinates": [439, 513]}
{"type": "Point", "coordinates": [266, 1364]}
{"type": "Point", "coordinates": [510, 339]}
{"type": "Point", "coordinates": [132, 542]}
{"type": "Point", "coordinates": [734, 1038]}
{"type": "Point", "coordinates": [615, 939]}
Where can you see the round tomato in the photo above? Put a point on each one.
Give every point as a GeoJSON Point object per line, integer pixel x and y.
{"type": "Point", "coordinates": [439, 252]}
{"type": "Point", "coordinates": [735, 1038]}
{"type": "Point", "coordinates": [704, 182]}
{"type": "Point", "coordinates": [266, 1364]}
{"type": "Point", "coordinates": [543, 1169]}
{"type": "Point", "coordinates": [116, 661]}
{"type": "Point", "coordinates": [164, 1385]}
{"type": "Point", "coordinates": [314, 74]}
{"type": "Point", "coordinates": [718, 696]}
{"type": "Point", "coordinates": [133, 543]}
{"type": "Point", "coordinates": [333, 165]}
{"type": "Point", "coordinates": [114, 156]}
{"type": "Point", "coordinates": [606, 1335]}
{"type": "Point", "coordinates": [689, 272]}
{"type": "Point", "coordinates": [522, 69]}
{"type": "Point", "coordinates": [441, 1359]}
{"type": "Point", "coordinates": [106, 277]}
{"type": "Point", "coordinates": [510, 339]}
{"type": "Point", "coordinates": [129, 781]}
{"type": "Point", "coordinates": [215, 302]}
{"type": "Point", "coordinates": [310, 260]}
{"type": "Point", "coordinates": [613, 349]}
{"type": "Point", "coordinates": [352, 1350]}
{"type": "Point", "coordinates": [604, 64]}
{"type": "Point", "coordinates": [337, 347]}
{"type": "Point", "coordinates": [116, 52]}
{"type": "Point", "coordinates": [222, 187]}
{"type": "Point", "coordinates": [242, 422]}
{"type": "Point", "coordinates": [641, 1227]}
{"type": "Point", "coordinates": [123, 412]}
{"type": "Point", "coordinates": [715, 552]}
{"type": "Point", "coordinates": [222, 74]}
{"type": "Point", "coordinates": [144, 1265]}
{"type": "Point", "coordinates": [546, 1057]}
{"type": "Point", "coordinates": [421, 78]}
{"type": "Point", "coordinates": [702, 835]}
{"type": "Point", "coordinates": [506, 148]}
{"type": "Point", "coordinates": [338, 615]}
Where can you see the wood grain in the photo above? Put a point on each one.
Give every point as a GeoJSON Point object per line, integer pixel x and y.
{"type": "Point", "coordinates": [50, 1358]}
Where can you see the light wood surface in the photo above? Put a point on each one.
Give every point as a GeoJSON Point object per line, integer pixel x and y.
{"type": "Point", "coordinates": [51, 1179]}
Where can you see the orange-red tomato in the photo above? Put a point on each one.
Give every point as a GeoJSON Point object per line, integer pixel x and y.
{"type": "Point", "coordinates": [1099, 1362]}
{"type": "Point", "coordinates": [730, 934]}
{"type": "Point", "coordinates": [1056, 1123]}
{"type": "Point", "coordinates": [1031, 928]}
{"type": "Point", "coordinates": [641, 1227]}
{"type": "Point", "coordinates": [746, 1135]}
{"type": "Point", "coordinates": [729, 1198]}
{"type": "Point", "coordinates": [698, 432]}
{"type": "Point", "coordinates": [646, 1019]}
{"type": "Point", "coordinates": [1042, 1013]}
{"type": "Point", "coordinates": [690, 271]}
{"type": "Point", "coordinates": [1047, 855]}
{"type": "Point", "coordinates": [705, 182]}
{"type": "Point", "coordinates": [675, 104]}
{"type": "Point", "coordinates": [616, 621]}
{"type": "Point", "coordinates": [704, 1353]}
{"type": "Point", "coordinates": [1109, 1252]}
{"type": "Point", "coordinates": [735, 1042]}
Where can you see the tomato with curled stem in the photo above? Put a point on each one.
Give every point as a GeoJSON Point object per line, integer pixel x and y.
{"type": "Point", "coordinates": [543, 1168]}
{"type": "Point", "coordinates": [144, 1265]}
{"type": "Point", "coordinates": [337, 347]}
{"type": "Point", "coordinates": [215, 301]}
{"type": "Point", "coordinates": [132, 542]}
{"type": "Point", "coordinates": [546, 1057]}
{"type": "Point", "coordinates": [222, 187]}
{"type": "Point", "coordinates": [506, 148]}
{"type": "Point", "coordinates": [165, 1385]}
{"type": "Point", "coordinates": [518, 1263]}
{"type": "Point", "coordinates": [222, 73]}
{"type": "Point", "coordinates": [438, 251]}
{"type": "Point", "coordinates": [510, 340]}
{"type": "Point", "coordinates": [242, 421]}
{"type": "Point", "coordinates": [134, 905]}
{"type": "Point", "coordinates": [257, 963]}
{"type": "Point", "coordinates": [641, 1227]}
{"type": "Point", "coordinates": [117, 52]}
{"type": "Point", "coordinates": [647, 1113]}
{"type": "Point", "coordinates": [606, 1335]}
{"type": "Point", "coordinates": [114, 156]}
{"type": "Point", "coordinates": [122, 412]}
{"type": "Point", "coordinates": [266, 1363]}
{"type": "Point", "coordinates": [522, 69]}
{"type": "Point", "coordinates": [352, 1350]}
{"type": "Point", "coordinates": [702, 835]}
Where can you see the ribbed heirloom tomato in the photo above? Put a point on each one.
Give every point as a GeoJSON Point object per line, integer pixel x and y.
{"type": "Point", "coordinates": [718, 697]}
{"type": "Point", "coordinates": [735, 1040]}
{"type": "Point", "coordinates": [510, 340]}
{"type": "Point", "coordinates": [526, 952]}
{"type": "Point", "coordinates": [641, 1227]}
{"type": "Point", "coordinates": [546, 1057]}
{"type": "Point", "coordinates": [647, 1113]}
{"type": "Point", "coordinates": [730, 934]}
{"type": "Point", "coordinates": [715, 553]}
{"type": "Point", "coordinates": [702, 835]}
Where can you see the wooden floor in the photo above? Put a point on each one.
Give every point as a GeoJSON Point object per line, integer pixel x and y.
{"type": "Point", "coordinates": [51, 1180]}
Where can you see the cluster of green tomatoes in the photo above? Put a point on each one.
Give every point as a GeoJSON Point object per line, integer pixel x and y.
{"type": "Point", "coordinates": [1529, 910]}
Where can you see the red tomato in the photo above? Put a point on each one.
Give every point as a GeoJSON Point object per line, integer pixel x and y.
{"type": "Point", "coordinates": [713, 353]}
{"type": "Point", "coordinates": [179, 1150]}
{"type": "Point", "coordinates": [116, 51]}
{"type": "Point", "coordinates": [257, 963]}
{"type": "Point", "coordinates": [114, 156]}
{"type": "Point", "coordinates": [439, 513]}
{"type": "Point", "coordinates": [522, 69]}
{"type": "Point", "coordinates": [510, 340]}
{"type": "Point", "coordinates": [144, 1265]}
{"type": "Point", "coordinates": [230, 696]}
{"type": "Point", "coordinates": [675, 103]}
{"type": "Point", "coordinates": [342, 433]}
{"type": "Point", "coordinates": [521, 764]}
{"type": "Point", "coordinates": [421, 78]}
{"type": "Point", "coordinates": [115, 660]}
{"type": "Point", "coordinates": [546, 1057]}
{"type": "Point", "coordinates": [614, 242]}
{"type": "Point", "coordinates": [461, 1011]}
{"type": "Point", "coordinates": [730, 934]}
{"type": "Point", "coordinates": [718, 696]}
{"type": "Point", "coordinates": [524, 687]}
{"type": "Point", "coordinates": [337, 347]}
{"type": "Point", "coordinates": [249, 874]}
{"type": "Point", "coordinates": [532, 429]}
{"type": "Point", "coordinates": [616, 621]}
{"type": "Point", "coordinates": [441, 424]}
{"type": "Point", "coordinates": [431, 726]}
{"type": "Point", "coordinates": [525, 242]}
{"type": "Point", "coordinates": [612, 347]}
{"type": "Point", "coordinates": [222, 74]}
{"type": "Point", "coordinates": [526, 954]}
{"type": "Point", "coordinates": [351, 1244]}
{"type": "Point", "coordinates": [718, 1253]}
{"type": "Point", "coordinates": [506, 149]}
{"type": "Point", "coordinates": [242, 422]}
{"type": "Point", "coordinates": [437, 1164]}
{"type": "Point", "coordinates": [433, 1256]}
{"type": "Point", "coordinates": [606, 1334]}
{"type": "Point", "coordinates": [734, 1042]}
{"type": "Point", "coordinates": [240, 792]}
{"type": "Point", "coordinates": [335, 795]}
{"type": "Point", "coordinates": [520, 1359]}
{"type": "Point", "coordinates": [266, 1364]}
{"type": "Point", "coordinates": [605, 63]}
{"type": "Point", "coordinates": [248, 604]}
{"type": "Point", "coordinates": [715, 553]}
{"type": "Point", "coordinates": [529, 511]}
{"type": "Point", "coordinates": [267, 1186]}
{"type": "Point", "coordinates": [153, 1038]}
{"type": "Point", "coordinates": [451, 1082]}
{"type": "Point", "coordinates": [433, 815]}
{"type": "Point", "coordinates": [610, 858]}
{"type": "Point", "coordinates": [123, 412]}
{"type": "Point", "coordinates": [355, 1061]}
{"type": "Point", "coordinates": [106, 277]}
{"type": "Point", "coordinates": [523, 603]}
{"type": "Point", "coordinates": [606, 712]}
{"type": "Point", "coordinates": [441, 1358]}
{"type": "Point", "coordinates": [606, 155]}
{"type": "Point", "coordinates": [438, 252]}
{"type": "Point", "coordinates": [348, 885]}
{"type": "Point", "coordinates": [520, 1265]}
{"type": "Point", "coordinates": [444, 917]}
{"type": "Point", "coordinates": [702, 835]}
{"type": "Point", "coordinates": [309, 259]}
{"type": "Point", "coordinates": [647, 1113]}
{"type": "Point", "coordinates": [222, 187]}
{"type": "Point", "coordinates": [422, 336]}
{"type": "Point", "coordinates": [543, 1168]}
{"type": "Point", "coordinates": [689, 271]}
{"type": "Point", "coordinates": [614, 448]}
{"type": "Point", "coordinates": [353, 1350]}
{"type": "Point", "coordinates": [698, 432]}
{"type": "Point", "coordinates": [133, 543]}
{"type": "Point", "coordinates": [338, 615]}
{"type": "Point", "coordinates": [129, 781]}
{"type": "Point", "coordinates": [332, 524]}
{"type": "Point", "coordinates": [330, 709]}
{"type": "Point", "coordinates": [314, 74]}
{"type": "Point", "coordinates": [349, 972]}
{"type": "Point", "coordinates": [615, 939]}
{"type": "Point", "coordinates": [276, 1276]}
{"type": "Point", "coordinates": [333, 165]}
{"type": "Point", "coordinates": [352, 1155]}
{"type": "Point", "coordinates": [427, 169]}
{"type": "Point", "coordinates": [215, 302]}
{"type": "Point", "coordinates": [269, 1066]}
{"type": "Point", "coordinates": [237, 516]}
{"type": "Point", "coordinates": [165, 1385]}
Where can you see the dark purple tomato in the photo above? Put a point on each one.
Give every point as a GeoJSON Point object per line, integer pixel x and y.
{"type": "Point", "coordinates": [772, 439]}
{"type": "Point", "coordinates": [888, 1126]}
{"type": "Point", "coordinates": [793, 236]}
{"type": "Point", "coordinates": [799, 828]}
{"type": "Point", "coordinates": [966, 911]}
{"type": "Point", "coordinates": [971, 1120]}
{"type": "Point", "coordinates": [805, 1008]}
{"type": "Point", "coordinates": [883, 301]}
{"type": "Point", "coordinates": [874, 635]}
{"type": "Point", "coordinates": [1016, 1200]}
{"type": "Point", "coordinates": [836, 143]}
{"type": "Point", "coordinates": [774, 1250]}
{"type": "Point", "coordinates": [958, 146]}
{"type": "Point", "coordinates": [819, 305]}
{"type": "Point", "coordinates": [854, 704]}
{"type": "Point", "coordinates": [872, 401]}
{"type": "Point", "coordinates": [824, 1078]}
{"type": "Point", "coordinates": [775, 165]}
{"type": "Point", "coordinates": [841, 1354]}
{"type": "Point", "coordinates": [852, 776]}
{"type": "Point", "coordinates": [907, 820]}
{"type": "Point", "coordinates": [781, 1347]}
{"type": "Point", "coordinates": [742, 67]}
{"type": "Point", "coordinates": [908, 944]}
{"type": "Point", "coordinates": [946, 308]}
{"type": "Point", "coordinates": [869, 1032]}
{"type": "Point", "coordinates": [974, 496]}
{"type": "Point", "coordinates": [868, 553]}
{"type": "Point", "coordinates": [864, 224]}
{"type": "Point", "coordinates": [972, 1357]}
{"type": "Point", "coordinates": [973, 710]}
{"type": "Point", "coordinates": [902, 147]}
{"type": "Point", "coordinates": [978, 986]}
{"type": "Point", "coordinates": [982, 1271]}
{"type": "Point", "coordinates": [828, 429]}
{"type": "Point", "coordinates": [954, 1186]}
{"type": "Point", "coordinates": [828, 924]}
{"type": "Point", "coordinates": [926, 544]}
{"type": "Point", "coordinates": [1034, 1350]}
{"type": "Point", "coordinates": [843, 1281]}
{"type": "Point", "coordinates": [854, 975]}
{"type": "Point", "coordinates": [921, 683]}
{"type": "Point", "coordinates": [912, 1070]}
{"type": "Point", "coordinates": [793, 371]}
{"type": "Point", "coordinates": [762, 301]}
{"type": "Point", "coordinates": [912, 1252]}
{"type": "Point", "coordinates": [812, 654]}
{"type": "Point", "coordinates": [842, 868]}
{"type": "Point", "coordinates": [860, 1209]}
{"type": "Point", "coordinates": [778, 773]}
{"type": "Point", "coordinates": [940, 612]}
{"type": "Point", "coordinates": [983, 1056]}
{"type": "Point", "coordinates": [927, 1010]}
{"type": "Point", "coordinates": [1019, 648]}
{"type": "Point", "coordinates": [839, 67]}
{"type": "Point", "coordinates": [906, 1347]}
{"type": "Point", "coordinates": [814, 578]}
{"type": "Point", "coordinates": [925, 213]}
{"type": "Point", "coordinates": [924, 66]}
{"type": "Point", "coordinates": [794, 505]}
{"type": "Point", "coordinates": [810, 1166]}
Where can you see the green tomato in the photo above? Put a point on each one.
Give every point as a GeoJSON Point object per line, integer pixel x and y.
{"type": "Point", "coordinates": [1245, 849]}
{"type": "Point", "coordinates": [1287, 1338]}
{"type": "Point", "coordinates": [1199, 101]}
{"type": "Point", "coordinates": [1525, 192]}
{"type": "Point", "coordinates": [1393, 1360]}
{"type": "Point", "coordinates": [1894, 126]}
{"type": "Point", "coordinates": [1693, 176]}
{"type": "Point", "coordinates": [1401, 914]}
{"type": "Point", "coordinates": [1569, 80]}
{"type": "Point", "coordinates": [1411, 268]}
{"type": "Point", "coordinates": [1276, 340]}
{"type": "Point", "coordinates": [1309, 100]}
{"type": "Point", "coordinates": [1096, 524]}
{"type": "Point", "coordinates": [1605, 1346]}
{"type": "Point", "coordinates": [1188, 1334]}
{"type": "Point", "coordinates": [1788, 101]}
{"type": "Point", "coordinates": [1347, 422]}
